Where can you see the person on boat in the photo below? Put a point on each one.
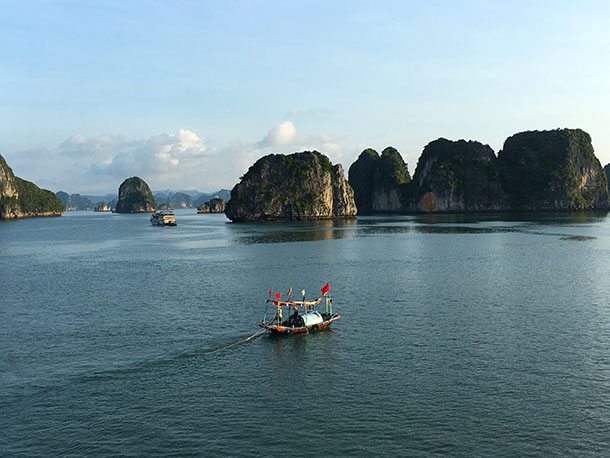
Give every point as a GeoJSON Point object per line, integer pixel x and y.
{"type": "Point", "coordinates": [278, 317]}
{"type": "Point", "coordinates": [294, 319]}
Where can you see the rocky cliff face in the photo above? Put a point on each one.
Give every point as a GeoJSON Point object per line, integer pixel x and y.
{"type": "Point", "coordinates": [343, 203]}
{"type": "Point", "coordinates": [456, 176]}
{"type": "Point", "coordinates": [20, 198]}
{"type": "Point", "coordinates": [553, 170]}
{"type": "Point", "coordinates": [215, 205]}
{"type": "Point", "coordinates": [379, 181]}
{"type": "Point", "coordinates": [8, 191]}
{"type": "Point", "coordinates": [361, 179]}
{"type": "Point", "coordinates": [535, 171]}
{"type": "Point", "coordinates": [292, 187]}
{"type": "Point", "coordinates": [135, 197]}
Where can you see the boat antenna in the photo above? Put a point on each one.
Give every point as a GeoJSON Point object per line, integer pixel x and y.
{"type": "Point", "coordinates": [267, 306]}
{"type": "Point", "coordinates": [278, 296]}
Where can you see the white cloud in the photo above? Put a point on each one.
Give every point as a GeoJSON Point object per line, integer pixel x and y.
{"type": "Point", "coordinates": [157, 155]}
{"type": "Point", "coordinates": [100, 163]}
{"type": "Point", "coordinates": [242, 156]}
{"type": "Point", "coordinates": [99, 145]}
{"type": "Point", "coordinates": [281, 135]}
{"type": "Point", "coordinates": [183, 160]}
{"type": "Point", "coordinates": [325, 144]}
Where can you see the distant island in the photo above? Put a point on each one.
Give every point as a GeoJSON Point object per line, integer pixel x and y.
{"type": "Point", "coordinates": [135, 197]}
{"type": "Point", "coordinates": [297, 186]}
{"type": "Point", "coordinates": [553, 170]}
{"type": "Point", "coordinates": [21, 199]}
{"type": "Point", "coordinates": [74, 202]}
{"type": "Point", "coordinates": [173, 199]}
{"type": "Point", "coordinates": [108, 202]}
{"type": "Point", "coordinates": [214, 205]}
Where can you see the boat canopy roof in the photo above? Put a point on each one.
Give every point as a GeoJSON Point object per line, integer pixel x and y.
{"type": "Point", "coordinates": [295, 303]}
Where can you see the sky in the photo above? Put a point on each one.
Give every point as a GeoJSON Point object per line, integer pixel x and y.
{"type": "Point", "coordinates": [189, 94]}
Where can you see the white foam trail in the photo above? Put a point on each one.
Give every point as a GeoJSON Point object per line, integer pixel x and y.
{"type": "Point", "coordinates": [245, 339]}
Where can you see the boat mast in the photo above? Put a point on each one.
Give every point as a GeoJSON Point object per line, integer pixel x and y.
{"type": "Point", "coordinates": [266, 308]}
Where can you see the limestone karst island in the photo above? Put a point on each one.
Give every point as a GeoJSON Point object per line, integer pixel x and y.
{"type": "Point", "coordinates": [135, 197]}
{"type": "Point", "coordinates": [292, 187]}
{"type": "Point", "coordinates": [554, 170]}
{"type": "Point", "coordinates": [20, 198]}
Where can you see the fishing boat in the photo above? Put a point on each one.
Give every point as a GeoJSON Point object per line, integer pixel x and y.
{"type": "Point", "coordinates": [163, 218]}
{"type": "Point", "coordinates": [298, 317]}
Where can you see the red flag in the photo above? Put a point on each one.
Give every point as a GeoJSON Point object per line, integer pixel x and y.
{"type": "Point", "coordinates": [270, 291]}
{"type": "Point", "coordinates": [278, 296]}
{"type": "Point", "coordinates": [325, 289]}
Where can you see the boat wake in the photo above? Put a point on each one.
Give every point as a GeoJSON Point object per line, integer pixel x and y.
{"type": "Point", "coordinates": [111, 373]}
{"type": "Point", "coordinates": [239, 342]}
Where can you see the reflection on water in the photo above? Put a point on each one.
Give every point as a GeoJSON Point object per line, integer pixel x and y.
{"type": "Point", "coordinates": [578, 238]}
{"type": "Point", "coordinates": [280, 232]}
{"type": "Point", "coordinates": [287, 348]}
{"type": "Point", "coordinates": [548, 218]}
{"type": "Point", "coordinates": [367, 226]}
{"type": "Point", "coordinates": [420, 229]}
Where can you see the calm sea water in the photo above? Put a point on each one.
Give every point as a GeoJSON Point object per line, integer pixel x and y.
{"type": "Point", "coordinates": [462, 336]}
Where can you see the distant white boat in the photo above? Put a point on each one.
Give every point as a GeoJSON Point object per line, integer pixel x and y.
{"type": "Point", "coordinates": [163, 218]}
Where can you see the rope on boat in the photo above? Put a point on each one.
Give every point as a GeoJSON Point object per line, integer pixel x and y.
{"type": "Point", "coordinates": [245, 339]}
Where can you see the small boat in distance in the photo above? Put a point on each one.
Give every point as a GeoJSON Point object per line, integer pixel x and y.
{"type": "Point", "coordinates": [163, 218]}
{"type": "Point", "coordinates": [304, 317]}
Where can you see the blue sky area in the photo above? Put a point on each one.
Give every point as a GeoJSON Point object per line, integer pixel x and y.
{"type": "Point", "coordinates": [189, 94]}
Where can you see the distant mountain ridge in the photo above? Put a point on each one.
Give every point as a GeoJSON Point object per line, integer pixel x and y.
{"type": "Point", "coordinates": [203, 197]}
{"type": "Point", "coordinates": [191, 198]}
{"type": "Point", "coordinates": [73, 202]}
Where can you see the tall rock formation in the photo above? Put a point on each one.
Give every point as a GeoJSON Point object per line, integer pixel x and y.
{"type": "Point", "coordinates": [553, 170]}
{"type": "Point", "coordinates": [292, 187]}
{"type": "Point", "coordinates": [379, 182]}
{"type": "Point", "coordinates": [20, 198]}
{"type": "Point", "coordinates": [135, 197]}
{"type": "Point", "coordinates": [457, 176]}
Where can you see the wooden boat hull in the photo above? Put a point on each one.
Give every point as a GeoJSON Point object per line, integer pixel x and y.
{"type": "Point", "coordinates": [283, 329]}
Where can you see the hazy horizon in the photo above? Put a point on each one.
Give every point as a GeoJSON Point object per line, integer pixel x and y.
{"type": "Point", "coordinates": [188, 95]}
{"type": "Point", "coordinates": [154, 191]}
